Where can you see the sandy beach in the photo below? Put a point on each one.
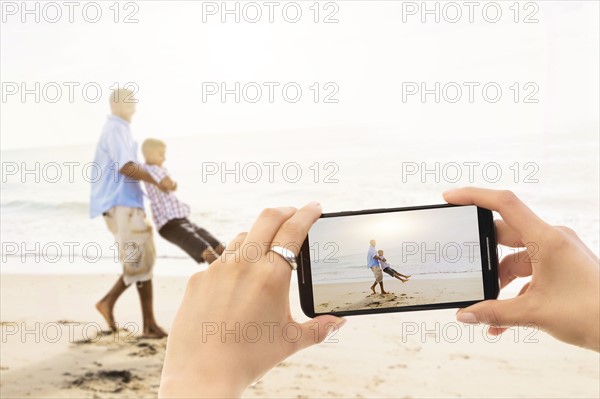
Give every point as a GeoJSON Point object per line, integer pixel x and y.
{"type": "Point", "coordinates": [339, 297]}
{"type": "Point", "coordinates": [52, 347]}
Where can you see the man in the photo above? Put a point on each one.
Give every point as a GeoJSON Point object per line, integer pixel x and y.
{"type": "Point", "coordinates": [117, 195]}
{"type": "Point", "coordinates": [373, 264]}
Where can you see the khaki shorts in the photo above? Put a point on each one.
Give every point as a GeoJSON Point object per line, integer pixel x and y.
{"type": "Point", "coordinates": [378, 273]}
{"type": "Point", "coordinates": [133, 235]}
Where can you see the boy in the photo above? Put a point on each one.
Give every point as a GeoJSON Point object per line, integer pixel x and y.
{"type": "Point", "coordinates": [388, 269]}
{"type": "Point", "coordinates": [171, 216]}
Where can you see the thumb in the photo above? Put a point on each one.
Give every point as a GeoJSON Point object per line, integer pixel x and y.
{"type": "Point", "coordinates": [316, 330]}
{"type": "Point", "coordinates": [503, 313]}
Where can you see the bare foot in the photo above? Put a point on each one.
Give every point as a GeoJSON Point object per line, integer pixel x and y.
{"type": "Point", "coordinates": [404, 281]}
{"type": "Point", "coordinates": [373, 289]}
{"type": "Point", "coordinates": [219, 249]}
{"type": "Point", "coordinates": [154, 332]}
{"type": "Point", "coordinates": [107, 312]}
{"type": "Point", "coordinates": [209, 255]}
{"type": "Point", "coordinates": [384, 292]}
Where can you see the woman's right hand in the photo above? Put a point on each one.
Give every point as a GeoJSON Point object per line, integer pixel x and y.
{"type": "Point", "coordinates": [563, 297]}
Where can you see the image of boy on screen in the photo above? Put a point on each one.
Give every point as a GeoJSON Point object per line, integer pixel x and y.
{"type": "Point", "coordinates": [389, 270]}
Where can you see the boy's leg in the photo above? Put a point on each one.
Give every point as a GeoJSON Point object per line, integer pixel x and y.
{"type": "Point", "coordinates": [395, 273]}
{"type": "Point", "coordinates": [151, 329]}
{"type": "Point", "coordinates": [107, 304]}
{"type": "Point", "coordinates": [182, 233]}
{"type": "Point", "coordinates": [373, 287]}
{"type": "Point", "coordinates": [216, 245]}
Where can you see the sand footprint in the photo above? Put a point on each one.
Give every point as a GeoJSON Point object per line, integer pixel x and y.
{"type": "Point", "coordinates": [146, 349]}
{"type": "Point", "coordinates": [112, 381]}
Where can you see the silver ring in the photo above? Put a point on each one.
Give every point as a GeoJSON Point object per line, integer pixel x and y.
{"type": "Point", "coordinates": [286, 254]}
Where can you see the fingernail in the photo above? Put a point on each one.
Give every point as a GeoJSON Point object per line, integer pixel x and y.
{"type": "Point", "coordinates": [336, 326]}
{"type": "Point", "coordinates": [467, 318]}
{"type": "Point", "coordinates": [448, 191]}
{"type": "Point", "coordinates": [314, 203]}
{"type": "Point", "coordinates": [341, 322]}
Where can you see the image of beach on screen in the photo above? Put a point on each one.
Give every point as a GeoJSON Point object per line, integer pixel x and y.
{"type": "Point", "coordinates": [396, 259]}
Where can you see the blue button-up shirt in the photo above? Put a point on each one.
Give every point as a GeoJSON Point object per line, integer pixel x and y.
{"type": "Point", "coordinates": [371, 261]}
{"type": "Point", "coordinates": [110, 188]}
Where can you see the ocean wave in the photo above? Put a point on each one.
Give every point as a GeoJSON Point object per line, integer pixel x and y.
{"type": "Point", "coordinates": [39, 206]}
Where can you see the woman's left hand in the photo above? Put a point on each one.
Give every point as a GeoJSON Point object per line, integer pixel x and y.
{"type": "Point", "coordinates": [235, 323]}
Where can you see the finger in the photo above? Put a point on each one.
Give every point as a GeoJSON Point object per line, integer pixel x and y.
{"type": "Point", "coordinates": [232, 249]}
{"type": "Point", "coordinates": [506, 235]}
{"type": "Point", "coordinates": [514, 266]}
{"type": "Point", "coordinates": [523, 289]}
{"type": "Point", "coordinates": [293, 231]}
{"type": "Point", "coordinates": [291, 236]}
{"type": "Point", "coordinates": [316, 330]}
{"type": "Point", "coordinates": [234, 245]}
{"type": "Point", "coordinates": [495, 331]}
{"type": "Point", "coordinates": [514, 212]}
{"type": "Point", "coordinates": [496, 313]}
{"type": "Point", "coordinates": [266, 226]}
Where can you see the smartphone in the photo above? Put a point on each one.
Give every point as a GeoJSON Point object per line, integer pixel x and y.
{"type": "Point", "coordinates": [397, 260]}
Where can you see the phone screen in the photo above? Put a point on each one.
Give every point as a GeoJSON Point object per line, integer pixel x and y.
{"type": "Point", "coordinates": [396, 259]}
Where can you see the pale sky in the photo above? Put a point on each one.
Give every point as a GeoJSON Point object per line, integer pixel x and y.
{"type": "Point", "coordinates": [352, 233]}
{"type": "Point", "coordinates": [368, 54]}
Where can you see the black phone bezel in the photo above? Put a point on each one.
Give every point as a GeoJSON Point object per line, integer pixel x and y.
{"type": "Point", "coordinates": [489, 258]}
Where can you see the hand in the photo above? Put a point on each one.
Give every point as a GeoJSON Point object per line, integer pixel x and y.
{"type": "Point", "coordinates": [563, 297]}
{"type": "Point", "coordinates": [164, 185]}
{"type": "Point", "coordinates": [234, 323]}
{"type": "Point", "coordinates": [167, 184]}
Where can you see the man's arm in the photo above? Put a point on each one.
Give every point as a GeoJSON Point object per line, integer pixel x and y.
{"type": "Point", "coordinates": [135, 171]}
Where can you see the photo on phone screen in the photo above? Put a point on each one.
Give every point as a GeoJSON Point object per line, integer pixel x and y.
{"type": "Point", "coordinates": [394, 259]}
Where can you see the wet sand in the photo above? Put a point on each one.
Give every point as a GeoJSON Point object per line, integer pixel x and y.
{"type": "Point", "coordinates": [397, 355]}
{"type": "Point", "coordinates": [355, 296]}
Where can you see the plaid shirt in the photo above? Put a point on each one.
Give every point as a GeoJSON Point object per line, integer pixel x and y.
{"type": "Point", "coordinates": [165, 206]}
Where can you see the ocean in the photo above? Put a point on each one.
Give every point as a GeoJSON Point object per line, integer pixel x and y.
{"type": "Point", "coordinates": [352, 268]}
{"type": "Point", "coordinates": [227, 180]}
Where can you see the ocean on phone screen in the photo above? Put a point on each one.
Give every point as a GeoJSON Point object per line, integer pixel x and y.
{"type": "Point", "coordinates": [352, 268]}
